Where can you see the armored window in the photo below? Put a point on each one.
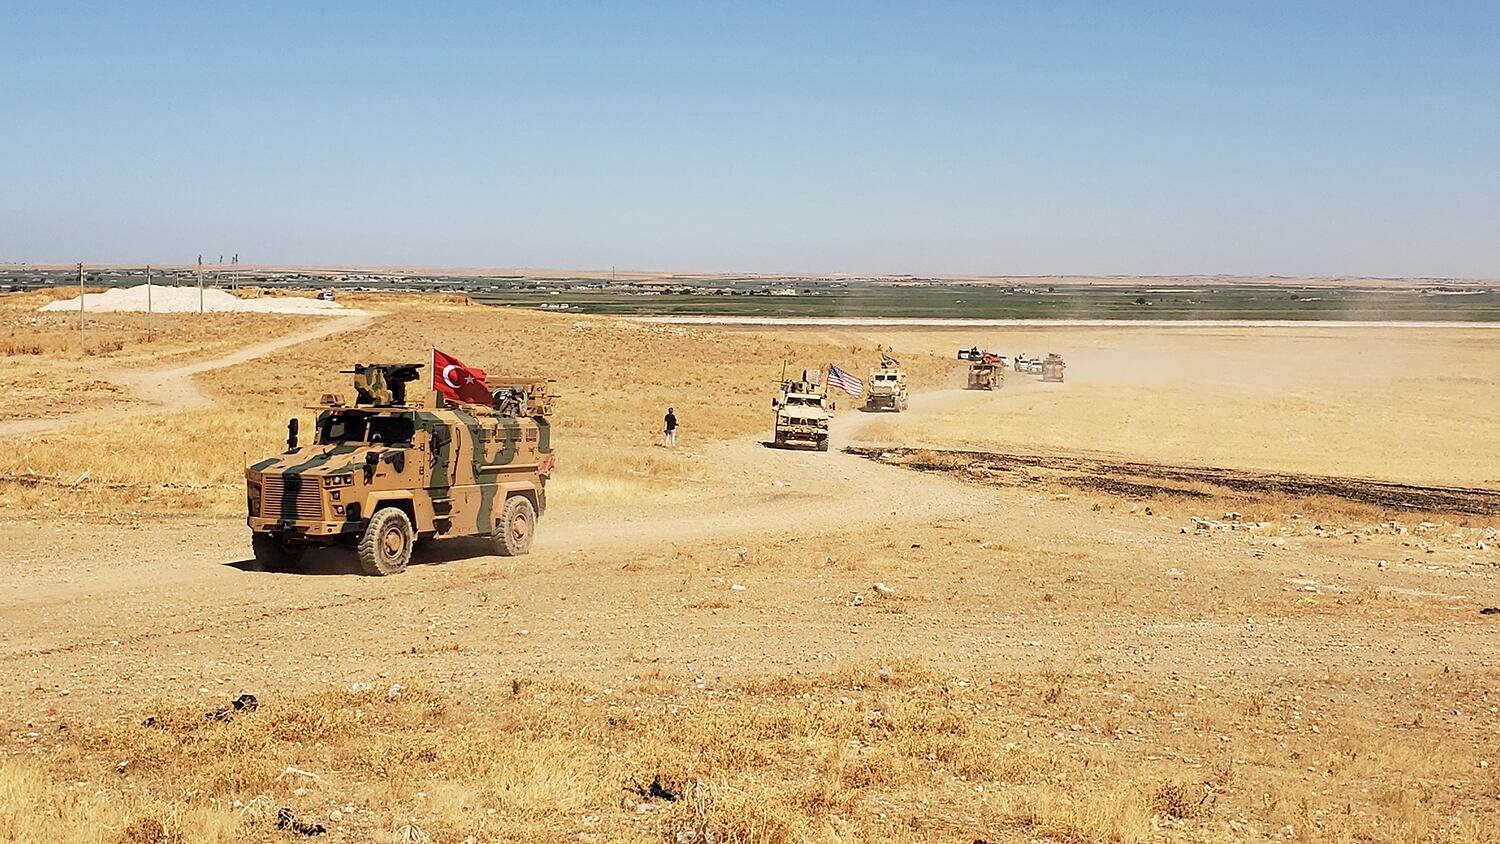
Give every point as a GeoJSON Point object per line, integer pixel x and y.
{"type": "Point", "coordinates": [343, 428]}
{"type": "Point", "coordinates": [390, 429]}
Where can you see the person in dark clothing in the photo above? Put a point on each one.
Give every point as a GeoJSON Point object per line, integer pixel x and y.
{"type": "Point", "coordinates": [669, 433]}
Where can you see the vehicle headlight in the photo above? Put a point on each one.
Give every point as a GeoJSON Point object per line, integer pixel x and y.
{"type": "Point", "coordinates": [338, 480]}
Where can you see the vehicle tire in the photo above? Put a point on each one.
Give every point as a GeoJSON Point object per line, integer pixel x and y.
{"type": "Point", "coordinates": [516, 527]}
{"type": "Point", "coordinates": [385, 546]}
{"type": "Point", "coordinates": [822, 443]}
{"type": "Point", "coordinates": [780, 440]}
{"type": "Point", "coordinates": [272, 554]}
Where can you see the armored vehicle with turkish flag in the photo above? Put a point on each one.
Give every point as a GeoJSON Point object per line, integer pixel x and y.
{"type": "Point", "coordinates": [471, 457]}
{"type": "Point", "coordinates": [986, 369]}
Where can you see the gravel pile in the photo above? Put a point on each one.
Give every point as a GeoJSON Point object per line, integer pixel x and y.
{"type": "Point", "coordinates": [177, 300]}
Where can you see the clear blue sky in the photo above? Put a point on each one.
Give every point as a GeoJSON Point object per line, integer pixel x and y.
{"type": "Point", "coordinates": [1051, 137]}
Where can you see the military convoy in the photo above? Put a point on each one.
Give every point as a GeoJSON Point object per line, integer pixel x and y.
{"type": "Point", "coordinates": [887, 388]}
{"type": "Point", "coordinates": [803, 412]}
{"type": "Point", "coordinates": [385, 472]}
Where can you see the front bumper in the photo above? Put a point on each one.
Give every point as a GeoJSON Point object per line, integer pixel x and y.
{"type": "Point", "coordinates": [295, 529]}
{"type": "Point", "coordinates": [804, 435]}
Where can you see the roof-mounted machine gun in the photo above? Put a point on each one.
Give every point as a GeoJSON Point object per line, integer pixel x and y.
{"type": "Point", "coordinates": [383, 384]}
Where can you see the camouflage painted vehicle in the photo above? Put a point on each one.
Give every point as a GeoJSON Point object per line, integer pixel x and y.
{"type": "Point", "coordinates": [1052, 368]}
{"type": "Point", "coordinates": [384, 472]}
{"type": "Point", "coordinates": [886, 390]}
{"type": "Point", "coordinates": [986, 375]}
{"type": "Point", "coordinates": [803, 411]}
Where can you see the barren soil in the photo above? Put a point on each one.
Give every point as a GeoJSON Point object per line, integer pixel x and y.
{"type": "Point", "coordinates": [1323, 675]}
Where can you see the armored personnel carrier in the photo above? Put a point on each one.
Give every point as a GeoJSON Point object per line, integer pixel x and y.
{"type": "Point", "coordinates": [803, 411]}
{"type": "Point", "coordinates": [986, 375]}
{"type": "Point", "coordinates": [886, 390]}
{"type": "Point", "coordinates": [385, 472]}
{"type": "Point", "coordinates": [1052, 368]}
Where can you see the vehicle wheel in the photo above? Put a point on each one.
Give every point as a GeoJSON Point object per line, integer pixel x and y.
{"type": "Point", "coordinates": [822, 443]}
{"type": "Point", "coordinates": [385, 546]}
{"type": "Point", "coordinates": [780, 440]}
{"type": "Point", "coordinates": [516, 528]}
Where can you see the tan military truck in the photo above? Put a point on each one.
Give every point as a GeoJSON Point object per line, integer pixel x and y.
{"type": "Point", "coordinates": [986, 375]}
{"type": "Point", "coordinates": [803, 412]}
{"type": "Point", "coordinates": [1052, 368]}
{"type": "Point", "coordinates": [886, 389]}
{"type": "Point", "coordinates": [382, 473]}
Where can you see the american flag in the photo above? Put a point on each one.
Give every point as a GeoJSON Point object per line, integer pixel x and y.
{"type": "Point", "coordinates": [887, 360]}
{"type": "Point", "coordinates": [844, 381]}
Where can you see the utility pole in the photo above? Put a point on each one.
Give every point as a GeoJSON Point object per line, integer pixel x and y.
{"type": "Point", "coordinates": [82, 346]}
{"type": "Point", "coordinates": [235, 280]}
{"type": "Point", "coordinates": [200, 284]}
{"type": "Point", "coordinates": [148, 301]}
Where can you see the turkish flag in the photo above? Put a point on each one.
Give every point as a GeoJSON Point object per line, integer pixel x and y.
{"type": "Point", "coordinates": [458, 382]}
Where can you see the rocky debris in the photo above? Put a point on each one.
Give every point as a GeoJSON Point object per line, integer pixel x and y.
{"type": "Point", "coordinates": [883, 590]}
{"type": "Point", "coordinates": [657, 790]}
{"type": "Point", "coordinates": [243, 704]}
{"type": "Point", "coordinates": [1490, 611]}
{"type": "Point", "coordinates": [1231, 522]}
{"type": "Point", "coordinates": [287, 819]}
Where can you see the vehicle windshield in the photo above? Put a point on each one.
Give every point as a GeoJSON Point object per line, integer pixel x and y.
{"type": "Point", "coordinates": [363, 428]}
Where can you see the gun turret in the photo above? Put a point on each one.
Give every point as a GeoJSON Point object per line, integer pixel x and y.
{"type": "Point", "coordinates": [383, 384]}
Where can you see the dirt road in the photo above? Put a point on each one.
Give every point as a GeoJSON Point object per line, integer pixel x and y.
{"type": "Point", "coordinates": [754, 569]}
{"type": "Point", "coordinates": [172, 389]}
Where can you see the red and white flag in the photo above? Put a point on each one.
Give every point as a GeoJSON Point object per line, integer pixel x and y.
{"type": "Point", "coordinates": [458, 382]}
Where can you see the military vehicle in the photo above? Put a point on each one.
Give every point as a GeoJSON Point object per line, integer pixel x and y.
{"type": "Point", "coordinates": [986, 369]}
{"type": "Point", "coordinates": [383, 472]}
{"type": "Point", "coordinates": [1052, 368]}
{"type": "Point", "coordinates": [887, 389]}
{"type": "Point", "coordinates": [986, 375]}
{"type": "Point", "coordinates": [803, 411]}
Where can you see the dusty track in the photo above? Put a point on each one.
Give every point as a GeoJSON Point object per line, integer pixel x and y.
{"type": "Point", "coordinates": [171, 389]}
{"type": "Point", "coordinates": [101, 618]}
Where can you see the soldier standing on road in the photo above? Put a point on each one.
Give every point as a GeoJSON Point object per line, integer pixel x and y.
{"type": "Point", "coordinates": [669, 433]}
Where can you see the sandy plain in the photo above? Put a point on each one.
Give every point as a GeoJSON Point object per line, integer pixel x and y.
{"type": "Point", "coordinates": [1050, 665]}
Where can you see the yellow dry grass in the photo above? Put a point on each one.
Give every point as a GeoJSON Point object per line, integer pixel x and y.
{"type": "Point", "coordinates": [888, 751]}
{"type": "Point", "coordinates": [1402, 404]}
{"type": "Point", "coordinates": [615, 380]}
{"type": "Point", "coordinates": [45, 369]}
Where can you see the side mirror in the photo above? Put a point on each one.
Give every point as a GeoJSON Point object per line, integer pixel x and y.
{"type": "Point", "coordinates": [291, 434]}
{"type": "Point", "coordinates": [775, 403]}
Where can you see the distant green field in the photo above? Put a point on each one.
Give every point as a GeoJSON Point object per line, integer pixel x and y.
{"type": "Point", "coordinates": [988, 302]}
{"type": "Point", "coordinates": [941, 300]}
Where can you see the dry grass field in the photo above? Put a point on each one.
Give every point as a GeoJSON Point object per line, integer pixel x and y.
{"type": "Point", "coordinates": [1040, 662]}
{"type": "Point", "coordinates": [46, 370]}
{"type": "Point", "coordinates": [1402, 404]}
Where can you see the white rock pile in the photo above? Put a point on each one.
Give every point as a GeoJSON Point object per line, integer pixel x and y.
{"type": "Point", "coordinates": [179, 300]}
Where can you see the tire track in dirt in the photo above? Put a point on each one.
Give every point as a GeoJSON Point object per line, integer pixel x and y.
{"type": "Point", "coordinates": [750, 496]}
{"type": "Point", "coordinates": [1138, 478]}
{"type": "Point", "coordinates": [171, 389]}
